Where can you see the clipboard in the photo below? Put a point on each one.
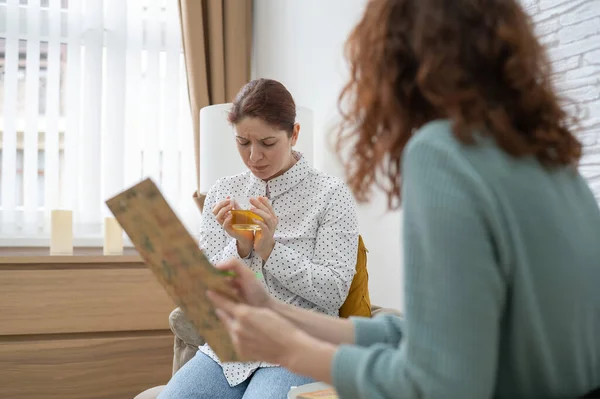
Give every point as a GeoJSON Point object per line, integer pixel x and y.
{"type": "Point", "coordinates": [176, 260]}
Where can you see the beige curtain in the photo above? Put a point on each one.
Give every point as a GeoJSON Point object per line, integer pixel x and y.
{"type": "Point", "coordinates": [217, 41]}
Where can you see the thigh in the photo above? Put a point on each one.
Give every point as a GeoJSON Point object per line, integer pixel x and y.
{"type": "Point", "coordinates": [201, 378]}
{"type": "Point", "coordinates": [273, 383]}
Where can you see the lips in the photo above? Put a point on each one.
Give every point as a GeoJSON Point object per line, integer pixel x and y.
{"type": "Point", "coordinates": [259, 168]}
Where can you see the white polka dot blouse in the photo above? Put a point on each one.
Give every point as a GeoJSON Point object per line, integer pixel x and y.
{"type": "Point", "coordinates": [316, 242]}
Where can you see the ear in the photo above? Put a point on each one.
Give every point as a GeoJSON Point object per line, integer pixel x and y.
{"type": "Point", "coordinates": [295, 133]}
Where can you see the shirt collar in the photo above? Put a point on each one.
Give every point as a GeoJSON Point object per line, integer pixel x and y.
{"type": "Point", "coordinates": [290, 179]}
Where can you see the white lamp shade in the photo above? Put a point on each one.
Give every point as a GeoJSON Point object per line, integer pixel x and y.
{"type": "Point", "coordinates": [219, 156]}
{"type": "Point", "coordinates": [305, 143]}
{"type": "Point", "coordinates": [218, 153]}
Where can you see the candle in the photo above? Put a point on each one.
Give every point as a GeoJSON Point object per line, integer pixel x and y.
{"type": "Point", "coordinates": [113, 237]}
{"type": "Point", "coordinates": [61, 232]}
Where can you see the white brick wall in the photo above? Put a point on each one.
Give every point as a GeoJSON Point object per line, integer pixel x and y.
{"type": "Point", "coordinates": [571, 31]}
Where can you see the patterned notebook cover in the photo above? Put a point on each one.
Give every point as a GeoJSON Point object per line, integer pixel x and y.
{"type": "Point", "coordinates": [175, 259]}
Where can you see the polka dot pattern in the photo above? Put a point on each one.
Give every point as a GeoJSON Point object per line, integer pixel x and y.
{"type": "Point", "coordinates": [314, 259]}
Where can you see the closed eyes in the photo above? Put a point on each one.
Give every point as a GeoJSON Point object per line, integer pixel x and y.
{"type": "Point", "coordinates": [245, 143]}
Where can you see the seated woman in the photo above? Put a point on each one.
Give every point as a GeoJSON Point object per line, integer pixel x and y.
{"type": "Point", "coordinates": [305, 249]}
{"type": "Point", "coordinates": [501, 232]}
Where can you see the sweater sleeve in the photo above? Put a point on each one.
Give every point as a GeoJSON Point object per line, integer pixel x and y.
{"type": "Point", "coordinates": [216, 244]}
{"type": "Point", "coordinates": [324, 278]}
{"type": "Point", "coordinates": [382, 329]}
{"type": "Point", "coordinates": [454, 290]}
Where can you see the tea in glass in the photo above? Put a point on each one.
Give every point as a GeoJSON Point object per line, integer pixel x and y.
{"type": "Point", "coordinates": [243, 220]}
{"type": "Point", "coordinates": [243, 216]}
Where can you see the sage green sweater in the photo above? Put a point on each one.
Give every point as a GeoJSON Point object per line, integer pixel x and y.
{"type": "Point", "coordinates": [502, 282]}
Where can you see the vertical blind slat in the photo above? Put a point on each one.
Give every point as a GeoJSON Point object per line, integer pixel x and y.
{"type": "Point", "coordinates": [73, 112]}
{"type": "Point", "coordinates": [113, 145]}
{"type": "Point", "coordinates": [51, 145]}
{"type": "Point", "coordinates": [133, 161]}
{"type": "Point", "coordinates": [9, 140]}
{"type": "Point", "coordinates": [151, 92]}
{"type": "Point", "coordinates": [30, 134]}
{"type": "Point", "coordinates": [89, 173]}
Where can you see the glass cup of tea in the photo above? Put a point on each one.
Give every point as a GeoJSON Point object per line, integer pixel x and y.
{"type": "Point", "coordinates": [243, 217]}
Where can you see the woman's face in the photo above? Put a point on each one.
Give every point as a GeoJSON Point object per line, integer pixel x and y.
{"type": "Point", "coordinates": [265, 150]}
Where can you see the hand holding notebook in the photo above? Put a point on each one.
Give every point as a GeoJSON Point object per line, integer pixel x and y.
{"type": "Point", "coordinates": [176, 260]}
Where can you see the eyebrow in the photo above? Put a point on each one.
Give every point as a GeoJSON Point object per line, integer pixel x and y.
{"type": "Point", "coordinates": [264, 139]}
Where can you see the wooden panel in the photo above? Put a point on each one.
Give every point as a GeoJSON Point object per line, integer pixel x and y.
{"type": "Point", "coordinates": [21, 255]}
{"type": "Point", "coordinates": [100, 368]}
{"type": "Point", "coordinates": [81, 300]}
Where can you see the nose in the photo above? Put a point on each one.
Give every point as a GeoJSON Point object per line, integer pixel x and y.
{"type": "Point", "coordinates": [255, 154]}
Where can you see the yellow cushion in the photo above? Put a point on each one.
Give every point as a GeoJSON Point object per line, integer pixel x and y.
{"type": "Point", "coordinates": [358, 302]}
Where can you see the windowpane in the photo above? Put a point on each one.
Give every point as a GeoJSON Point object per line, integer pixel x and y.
{"type": "Point", "coordinates": [19, 182]}
{"type": "Point", "coordinates": [72, 112]}
{"type": "Point", "coordinates": [40, 180]}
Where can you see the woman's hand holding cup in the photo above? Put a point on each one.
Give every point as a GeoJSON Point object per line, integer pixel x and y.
{"type": "Point", "coordinates": [267, 220]}
{"type": "Point", "coordinates": [244, 238]}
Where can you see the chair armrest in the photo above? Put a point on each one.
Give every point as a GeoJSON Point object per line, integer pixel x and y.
{"type": "Point", "coordinates": [378, 310]}
{"type": "Point", "coordinates": [183, 328]}
{"type": "Point", "coordinates": [187, 339]}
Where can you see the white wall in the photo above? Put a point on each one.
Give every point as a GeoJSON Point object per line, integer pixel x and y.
{"type": "Point", "coordinates": [299, 42]}
{"type": "Point", "coordinates": [571, 31]}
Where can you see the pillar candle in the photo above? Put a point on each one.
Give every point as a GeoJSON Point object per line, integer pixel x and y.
{"type": "Point", "coordinates": [61, 232]}
{"type": "Point", "coordinates": [113, 237]}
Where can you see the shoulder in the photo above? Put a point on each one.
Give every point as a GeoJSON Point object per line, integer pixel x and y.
{"type": "Point", "coordinates": [226, 184]}
{"type": "Point", "coordinates": [434, 136]}
{"type": "Point", "coordinates": [432, 148]}
{"type": "Point", "coordinates": [328, 183]}
{"type": "Point", "coordinates": [435, 162]}
{"type": "Point", "coordinates": [435, 147]}
{"type": "Point", "coordinates": [234, 180]}
{"type": "Point", "coordinates": [333, 192]}
{"type": "Point", "coordinates": [230, 181]}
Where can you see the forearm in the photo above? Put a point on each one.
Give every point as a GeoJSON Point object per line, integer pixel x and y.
{"type": "Point", "coordinates": [243, 250]}
{"type": "Point", "coordinates": [326, 328]}
{"type": "Point", "coordinates": [311, 357]}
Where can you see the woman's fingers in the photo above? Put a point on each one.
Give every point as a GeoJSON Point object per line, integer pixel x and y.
{"type": "Point", "coordinates": [264, 228]}
{"type": "Point", "coordinates": [233, 310]}
{"type": "Point", "coordinates": [262, 204]}
{"type": "Point", "coordinates": [267, 204]}
{"type": "Point", "coordinates": [263, 208]}
{"type": "Point", "coordinates": [227, 223]}
{"type": "Point", "coordinates": [241, 272]}
{"type": "Point", "coordinates": [261, 212]}
{"type": "Point", "coordinates": [269, 218]}
{"type": "Point", "coordinates": [220, 301]}
{"type": "Point", "coordinates": [256, 333]}
{"type": "Point", "coordinates": [234, 265]}
{"type": "Point", "coordinates": [224, 317]}
{"type": "Point", "coordinates": [236, 332]}
{"type": "Point", "coordinates": [223, 213]}
{"type": "Point", "coordinates": [220, 205]}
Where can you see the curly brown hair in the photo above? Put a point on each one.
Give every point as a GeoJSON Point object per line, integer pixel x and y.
{"type": "Point", "coordinates": [475, 62]}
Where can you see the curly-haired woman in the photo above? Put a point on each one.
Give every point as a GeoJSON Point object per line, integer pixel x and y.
{"type": "Point", "coordinates": [451, 104]}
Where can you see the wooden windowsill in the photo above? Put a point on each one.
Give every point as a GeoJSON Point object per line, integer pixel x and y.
{"type": "Point", "coordinates": [41, 255]}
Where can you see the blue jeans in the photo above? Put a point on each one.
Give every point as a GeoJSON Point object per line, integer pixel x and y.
{"type": "Point", "coordinates": [203, 378]}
